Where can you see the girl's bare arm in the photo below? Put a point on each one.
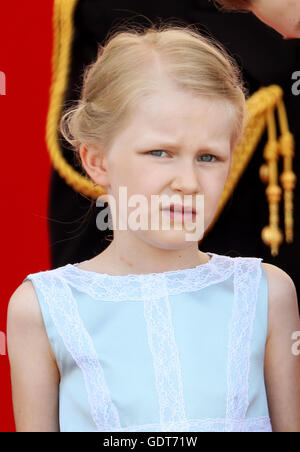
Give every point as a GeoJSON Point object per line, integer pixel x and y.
{"type": "Point", "coordinates": [282, 360]}
{"type": "Point", "coordinates": [34, 373]}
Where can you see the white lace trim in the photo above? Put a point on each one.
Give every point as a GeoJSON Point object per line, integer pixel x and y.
{"type": "Point", "coordinates": [247, 276]}
{"type": "Point", "coordinates": [153, 290]}
{"type": "Point", "coordinates": [106, 287]}
{"type": "Point", "coordinates": [167, 369]}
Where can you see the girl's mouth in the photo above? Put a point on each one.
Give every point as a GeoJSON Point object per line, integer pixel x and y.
{"type": "Point", "coordinates": [179, 215]}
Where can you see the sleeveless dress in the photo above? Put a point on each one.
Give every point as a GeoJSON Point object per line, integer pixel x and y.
{"type": "Point", "coordinates": [176, 351]}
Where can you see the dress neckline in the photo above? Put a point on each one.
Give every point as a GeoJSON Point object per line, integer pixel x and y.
{"type": "Point", "coordinates": [138, 287]}
{"type": "Point", "coordinates": [180, 272]}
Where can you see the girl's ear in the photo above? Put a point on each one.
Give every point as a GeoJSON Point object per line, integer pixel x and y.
{"type": "Point", "coordinates": [93, 161]}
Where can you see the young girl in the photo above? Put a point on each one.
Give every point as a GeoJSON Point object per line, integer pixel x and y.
{"type": "Point", "coordinates": [154, 334]}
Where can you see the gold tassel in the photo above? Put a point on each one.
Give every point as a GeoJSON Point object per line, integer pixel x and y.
{"type": "Point", "coordinates": [272, 235]}
{"type": "Point", "coordinates": [261, 108]}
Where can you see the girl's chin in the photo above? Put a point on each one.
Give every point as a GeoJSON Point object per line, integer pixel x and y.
{"type": "Point", "coordinates": [170, 239]}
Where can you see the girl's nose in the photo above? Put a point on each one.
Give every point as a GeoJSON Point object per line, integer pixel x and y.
{"type": "Point", "coordinates": [186, 180]}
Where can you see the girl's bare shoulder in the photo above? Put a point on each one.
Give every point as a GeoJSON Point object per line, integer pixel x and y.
{"type": "Point", "coordinates": [279, 282]}
{"type": "Point", "coordinates": [23, 305]}
{"type": "Point", "coordinates": [25, 320]}
{"type": "Point", "coordinates": [282, 296]}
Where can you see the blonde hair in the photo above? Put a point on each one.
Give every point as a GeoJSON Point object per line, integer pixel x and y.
{"type": "Point", "coordinates": [129, 65]}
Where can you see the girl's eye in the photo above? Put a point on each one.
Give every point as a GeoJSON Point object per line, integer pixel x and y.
{"type": "Point", "coordinates": [150, 152]}
{"type": "Point", "coordinates": [209, 155]}
{"type": "Point", "coordinates": [203, 155]}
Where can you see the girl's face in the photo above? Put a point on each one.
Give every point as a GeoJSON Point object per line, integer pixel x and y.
{"type": "Point", "coordinates": [175, 143]}
{"type": "Point", "coordinates": [282, 15]}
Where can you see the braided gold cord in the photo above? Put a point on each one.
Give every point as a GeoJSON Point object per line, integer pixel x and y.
{"type": "Point", "coordinates": [260, 107]}
{"type": "Point", "coordinates": [63, 37]}
{"type": "Point", "coordinates": [288, 178]}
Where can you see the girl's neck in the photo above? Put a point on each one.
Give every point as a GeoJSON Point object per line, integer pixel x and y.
{"type": "Point", "coordinates": [116, 264]}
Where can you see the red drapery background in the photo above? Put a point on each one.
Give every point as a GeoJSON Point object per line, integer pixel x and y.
{"type": "Point", "coordinates": [25, 58]}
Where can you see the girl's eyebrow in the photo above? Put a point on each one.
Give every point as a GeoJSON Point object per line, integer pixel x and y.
{"type": "Point", "coordinates": [160, 143]}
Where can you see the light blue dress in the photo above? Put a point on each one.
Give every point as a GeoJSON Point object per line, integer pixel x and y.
{"type": "Point", "coordinates": [176, 351]}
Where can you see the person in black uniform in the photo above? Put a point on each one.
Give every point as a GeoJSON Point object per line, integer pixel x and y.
{"type": "Point", "coordinates": [282, 15]}
{"type": "Point", "coordinates": [265, 59]}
